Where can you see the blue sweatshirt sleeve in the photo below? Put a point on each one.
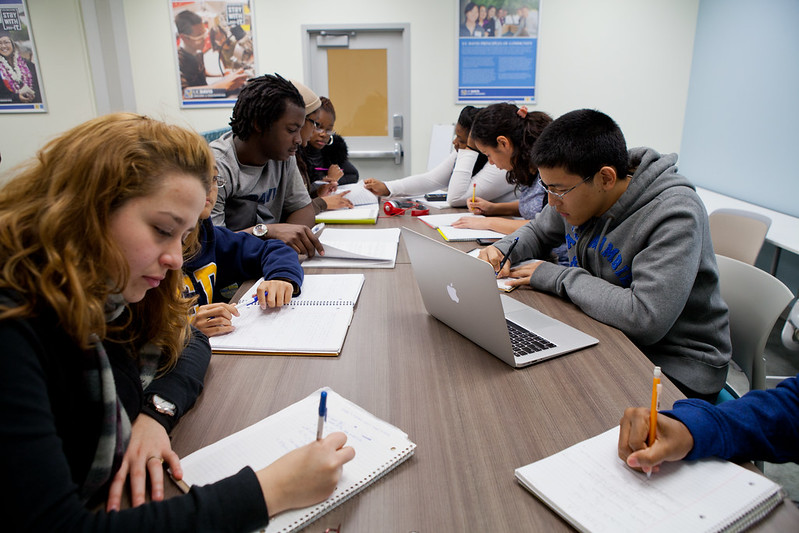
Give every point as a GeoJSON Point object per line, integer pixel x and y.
{"type": "Point", "coordinates": [241, 256]}
{"type": "Point", "coordinates": [761, 425]}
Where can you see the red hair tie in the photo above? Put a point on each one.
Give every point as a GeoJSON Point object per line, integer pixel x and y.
{"type": "Point", "coordinates": [522, 112]}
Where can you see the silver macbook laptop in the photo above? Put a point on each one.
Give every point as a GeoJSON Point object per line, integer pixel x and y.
{"type": "Point", "coordinates": [461, 291]}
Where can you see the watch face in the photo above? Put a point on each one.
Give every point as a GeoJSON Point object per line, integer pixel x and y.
{"type": "Point", "coordinates": [163, 406]}
{"type": "Point", "coordinates": [259, 230]}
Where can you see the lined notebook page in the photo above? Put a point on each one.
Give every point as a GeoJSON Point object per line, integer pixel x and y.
{"type": "Point", "coordinates": [453, 234]}
{"type": "Point", "coordinates": [594, 490]}
{"type": "Point", "coordinates": [316, 321]}
{"type": "Point", "coordinates": [321, 289]}
{"type": "Point", "coordinates": [378, 445]}
{"type": "Point", "coordinates": [448, 219]}
{"type": "Point", "coordinates": [362, 214]}
{"type": "Point", "coordinates": [358, 194]}
{"type": "Point", "coordinates": [287, 329]}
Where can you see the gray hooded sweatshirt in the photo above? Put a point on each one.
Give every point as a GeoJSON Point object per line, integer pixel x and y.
{"type": "Point", "coordinates": [646, 267]}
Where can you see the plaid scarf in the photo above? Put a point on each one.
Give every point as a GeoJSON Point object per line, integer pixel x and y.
{"type": "Point", "coordinates": [115, 431]}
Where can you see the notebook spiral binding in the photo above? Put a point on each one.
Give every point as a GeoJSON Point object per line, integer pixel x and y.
{"type": "Point", "coordinates": [340, 497]}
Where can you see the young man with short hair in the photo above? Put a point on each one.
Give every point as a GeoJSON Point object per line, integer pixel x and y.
{"type": "Point", "coordinates": [264, 193]}
{"type": "Point", "coordinates": [638, 240]}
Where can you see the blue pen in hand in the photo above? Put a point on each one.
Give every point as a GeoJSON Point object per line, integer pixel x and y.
{"type": "Point", "coordinates": [248, 303]}
{"type": "Point", "coordinates": [507, 255]}
{"type": "Point", "coordinates": [320, 425]}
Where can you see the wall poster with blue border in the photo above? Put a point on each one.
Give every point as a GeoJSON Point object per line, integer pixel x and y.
{"type": "Point", "coordinates": [21, 88]}
{"type": "Point", "coordinates": [214, 50]}
{"type": "Point", "coordinates": [497, 50]}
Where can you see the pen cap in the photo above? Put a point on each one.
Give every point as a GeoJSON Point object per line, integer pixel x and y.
{"type": "Point", "coordinates": [323, 404]}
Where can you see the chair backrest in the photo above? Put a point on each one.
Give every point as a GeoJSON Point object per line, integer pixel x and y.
{"type": "Point", "coordinates": [738, 234]}
{"type": "Point", "coordinates": [213, 135]}
{"type": "Point", "coordinates": [755, 299]}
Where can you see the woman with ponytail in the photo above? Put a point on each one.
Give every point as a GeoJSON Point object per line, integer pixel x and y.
{"type": "Point", "coordinates": [465, 172]}
{"type": "Point", "coordinates": [506, 134]}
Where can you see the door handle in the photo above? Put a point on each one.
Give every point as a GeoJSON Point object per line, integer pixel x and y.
{"type": "Point", "coordinates": [396, 154]}
{"type": "Point", "coordinates": [371, 154]}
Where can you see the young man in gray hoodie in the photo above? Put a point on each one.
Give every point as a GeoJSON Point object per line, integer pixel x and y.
{"type": "Point", "coordinates": [638, 239]}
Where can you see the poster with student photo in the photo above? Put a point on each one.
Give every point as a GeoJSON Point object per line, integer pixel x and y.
{"type": "Point", "coordinates": [214, 51]}
{"type": "Point", "coordinates": [497, 50]}
{"type": "Point", "coordinates": [20, 78]}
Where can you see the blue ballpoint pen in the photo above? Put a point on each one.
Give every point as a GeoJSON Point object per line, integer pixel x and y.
{"type": "Point", "coordinates": [320, 425]}
{"type": "Point", "coordinates": [505, 259]}
{"type": "Point", "coordinates": [254, 301]}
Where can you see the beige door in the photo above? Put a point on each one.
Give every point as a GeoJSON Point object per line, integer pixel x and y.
{"type": "Point", "coordinates": [364, 70]}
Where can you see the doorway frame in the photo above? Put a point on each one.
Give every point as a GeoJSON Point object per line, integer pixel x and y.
{"type": "Point", "coordinates": [310, 30]}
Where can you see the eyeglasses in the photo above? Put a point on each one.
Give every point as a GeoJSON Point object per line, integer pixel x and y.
{"type": "Point", "coordinates": [560, 195]}
{"type": "Point", "coordinates": [318, 126]}
{"type": "Point", "coordinates": [219, 180]}
{"type": "Point", "coordinates": [196, 38]}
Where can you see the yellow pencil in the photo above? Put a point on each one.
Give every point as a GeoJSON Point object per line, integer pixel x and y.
{"type": "Point", "coordinates": [653, 410]}
{"type": "Point", "coordinates": [474, 188]}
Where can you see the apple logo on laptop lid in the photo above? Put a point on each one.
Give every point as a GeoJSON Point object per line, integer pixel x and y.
{"type": "Point", "coordinates": [453, 294]}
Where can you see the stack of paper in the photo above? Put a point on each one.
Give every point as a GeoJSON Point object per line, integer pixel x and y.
{"type": "Point", "coordinates": [443, 223]}
{"type": "Point", "coordinates": [357, 248]}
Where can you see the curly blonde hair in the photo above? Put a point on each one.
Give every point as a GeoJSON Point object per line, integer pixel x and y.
{"type": "Point", "coordinates": [55, 246]}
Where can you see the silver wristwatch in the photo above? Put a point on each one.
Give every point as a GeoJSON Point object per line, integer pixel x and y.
{"type": "Point", "coordinates": [259, 230]}
{"type": "Point", "coordinates": [163, 406]}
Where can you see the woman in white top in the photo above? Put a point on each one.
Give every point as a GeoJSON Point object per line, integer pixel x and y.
{"type": "Point", "coordinates": [465, 172]}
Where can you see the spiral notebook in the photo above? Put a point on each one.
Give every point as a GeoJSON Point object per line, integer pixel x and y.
{"type": "Point", "coordinates": [313, 323]}
{"type": "Point", "coordinates": [589, 486]}
{"type": "Point", "coordinates": [379, 448]}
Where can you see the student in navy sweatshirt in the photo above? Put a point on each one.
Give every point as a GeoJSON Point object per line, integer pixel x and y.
{"type": "Point", "coordinates": [761, 425]}
{"type": "Point", "coordinates": [227, 258]}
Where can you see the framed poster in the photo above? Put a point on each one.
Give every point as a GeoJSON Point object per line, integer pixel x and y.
{"type": "Point", "coordinates": [21, 88]}
{"type": "Point", "coordinates": [214, 51]}
{"type": "Point", "coordinates": [497, 50]}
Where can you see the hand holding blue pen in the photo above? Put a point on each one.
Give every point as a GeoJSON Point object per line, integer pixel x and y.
{"type": "Point", "coordinates": [320, 425]}
{"type": "Point", "coordinates": [507, 255]}
{"type": "Point", "coordinates": [248, 303]}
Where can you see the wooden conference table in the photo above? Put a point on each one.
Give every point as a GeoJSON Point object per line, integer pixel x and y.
{"type": "Point", "coordinates": [473, 418]}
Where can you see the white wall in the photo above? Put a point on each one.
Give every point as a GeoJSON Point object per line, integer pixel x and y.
{"type": "Point", "coordinates": [63, 61]}
{"type": "Point", "coordinates": [743, 107]}
{"type": "Point", "coordinates": [628, 58]}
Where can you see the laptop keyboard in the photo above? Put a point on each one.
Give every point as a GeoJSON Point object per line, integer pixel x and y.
{"type": "Point", "coordinates": [525, 342]}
